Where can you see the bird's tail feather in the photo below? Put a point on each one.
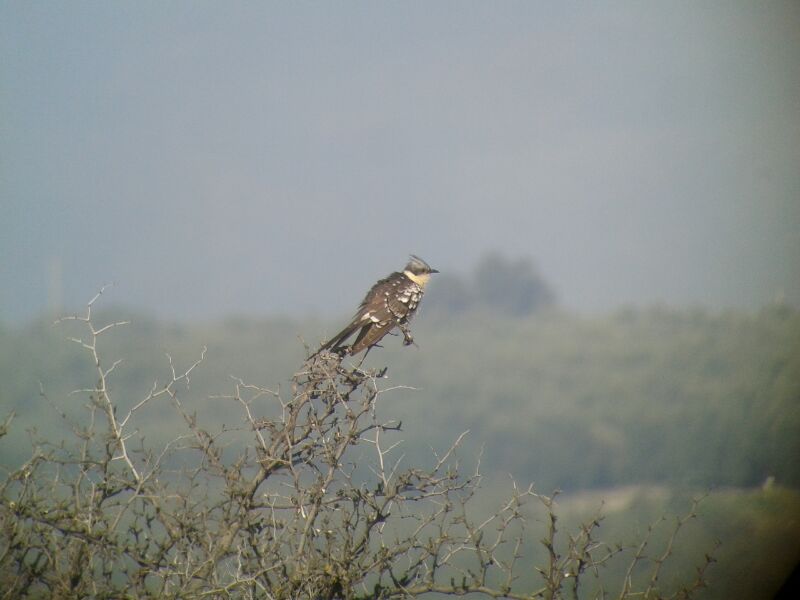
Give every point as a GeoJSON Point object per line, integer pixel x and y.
{"type": "Point", "coordinates": [335, 342]}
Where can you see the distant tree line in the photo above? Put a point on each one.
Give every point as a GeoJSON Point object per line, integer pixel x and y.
{"type": "Point", "coordinates": [511, 287]}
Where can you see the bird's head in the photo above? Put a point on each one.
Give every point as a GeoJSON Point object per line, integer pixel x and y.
{"type": "Point", "coordinates": [418, 271]}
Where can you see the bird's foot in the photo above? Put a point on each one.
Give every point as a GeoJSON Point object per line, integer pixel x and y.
{"type": "Point", "coordinates": [407, 337]}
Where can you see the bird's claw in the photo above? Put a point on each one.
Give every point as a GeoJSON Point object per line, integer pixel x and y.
{"type": "Point", "coordinates": [407, 338]}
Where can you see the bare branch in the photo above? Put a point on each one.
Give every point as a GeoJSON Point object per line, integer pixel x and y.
{"type": "Point", "coordinates": [305, 495]}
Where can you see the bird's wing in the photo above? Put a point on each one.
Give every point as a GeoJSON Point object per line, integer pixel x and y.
{"type": "Point", "coordinates": [360, 320]}
{"type": "Point", "coordinates": [370, 335]}
{"type": "Point", "coordinates": [387, 302]}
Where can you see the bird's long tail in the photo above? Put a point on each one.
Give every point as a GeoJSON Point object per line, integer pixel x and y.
{"type": "Point", "coordinates": [335, 343]}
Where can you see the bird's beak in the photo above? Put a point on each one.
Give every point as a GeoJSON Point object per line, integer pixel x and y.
{"type": "Point", "coordinates": [434, 270]}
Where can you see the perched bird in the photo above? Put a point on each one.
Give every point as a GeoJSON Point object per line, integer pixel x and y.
{"type": "Point", "coordinates": [390, 303]}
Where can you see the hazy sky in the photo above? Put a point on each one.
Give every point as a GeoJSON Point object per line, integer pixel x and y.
{"type": "Point", "coordinates": [250, 157]}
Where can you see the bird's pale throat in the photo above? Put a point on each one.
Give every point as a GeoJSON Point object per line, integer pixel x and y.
{"type": "Point", "coordinates": [420, 279]}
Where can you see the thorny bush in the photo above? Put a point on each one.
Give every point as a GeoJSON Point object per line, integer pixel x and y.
{"type": "Point", "coordinates": [315, 504]}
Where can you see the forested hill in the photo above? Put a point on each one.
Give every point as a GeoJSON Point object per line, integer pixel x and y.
{"type": "Point", "coordinates": [676, 396]}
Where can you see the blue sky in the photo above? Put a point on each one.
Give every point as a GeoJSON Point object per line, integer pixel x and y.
{"type": "Point", "coordinates": [259, 158]}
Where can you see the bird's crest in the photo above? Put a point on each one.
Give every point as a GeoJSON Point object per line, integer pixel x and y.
{"type": "Point", "coordinates": [417, 266]}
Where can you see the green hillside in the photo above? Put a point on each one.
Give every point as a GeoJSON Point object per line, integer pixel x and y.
{"type": "Point", "coordinates": [677, 401]}
{"type": "Point", "coordinates": [658, 396]}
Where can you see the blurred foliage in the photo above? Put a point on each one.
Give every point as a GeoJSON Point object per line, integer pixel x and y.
{"type": "Point", "coordinates": [688, 399]}
{"type": "Point", "coordinates": [756, 532]}
{"type": "Point", "coordinates": [510, 287]}
{"type": "Point", "coordinates": [683, 397]}
{"type": "Point", "coordinates": [751, 533]}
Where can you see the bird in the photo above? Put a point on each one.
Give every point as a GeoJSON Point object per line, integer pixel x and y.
{"type": "Point", "coordinates": [390, 303]}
